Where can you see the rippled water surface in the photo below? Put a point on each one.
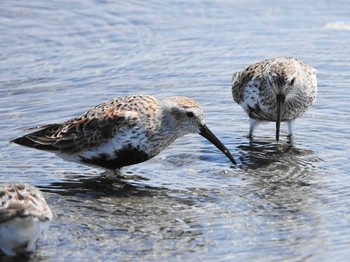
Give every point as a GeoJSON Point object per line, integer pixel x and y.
{"type": "Point", "coordinates": [287, 201]}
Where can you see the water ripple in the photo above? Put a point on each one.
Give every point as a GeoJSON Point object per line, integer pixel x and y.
{"type": "Point", "coordinates": [286, 201]}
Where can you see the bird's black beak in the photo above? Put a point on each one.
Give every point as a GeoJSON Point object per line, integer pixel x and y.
{"type": "Point", "coordinates": [205, 132]}
{"type": "Point", "coordinates": [280, 101]}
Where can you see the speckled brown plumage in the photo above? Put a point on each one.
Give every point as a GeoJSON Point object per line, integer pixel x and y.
{"type": "Point", "coordinates": [264, 87]}
{"type": "Point", "coordinates": [24, 218]}
{"type": "Point", "coordinates": [123, 131]}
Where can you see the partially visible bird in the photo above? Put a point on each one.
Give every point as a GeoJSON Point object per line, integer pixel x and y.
{"type": "Point", "coordinates": [24, 218]}
{"type": "Point", "coordinates": [278, 89]}
{"type": "Point", "coordinates": [123, 131]}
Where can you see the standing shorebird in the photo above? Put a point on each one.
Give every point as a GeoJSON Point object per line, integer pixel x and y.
{"type": "Point", "coordinates": [279, 89]}
{"type": "Point", "coordinates": [24, 218]}
{"type": "Point", "coordinates": [124, 131]}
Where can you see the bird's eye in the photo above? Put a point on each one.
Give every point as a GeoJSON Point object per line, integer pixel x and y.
{"type": "Point", "coordinates": [190, 114]}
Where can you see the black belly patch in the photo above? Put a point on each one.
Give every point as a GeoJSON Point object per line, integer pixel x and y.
{"type": "Point", "coordinates": [125, 157]}
{"type": "Point", "coordinates": [256, 113]}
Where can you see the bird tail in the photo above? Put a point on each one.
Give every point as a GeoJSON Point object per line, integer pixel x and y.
{"type": "Point", "coordinates": [42, 139]}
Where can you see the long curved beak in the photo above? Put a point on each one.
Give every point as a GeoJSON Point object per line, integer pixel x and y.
{"type": "Point", "coordinates": [280, 101]}
{"type": "Point", "coordinates": [205, 132]}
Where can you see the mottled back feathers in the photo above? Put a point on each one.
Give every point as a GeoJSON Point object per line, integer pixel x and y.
{"type": "Point", "coordinates": [93, 128]}
{"type": "Point", "coordinates": [22, 201]}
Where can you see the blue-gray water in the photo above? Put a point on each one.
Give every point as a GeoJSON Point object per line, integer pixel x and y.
{"type": "Point", "coordinates": [289, 201]}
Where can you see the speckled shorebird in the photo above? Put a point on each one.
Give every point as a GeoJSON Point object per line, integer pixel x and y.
{"type": "Point", "coordinates": [279, 89]}
{"type": "Point", "coordinates": [24, 218]}
{"type": "Point", "coordinates": [124, 131]}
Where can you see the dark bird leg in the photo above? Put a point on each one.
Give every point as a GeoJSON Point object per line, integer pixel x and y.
{"type": "Point", "coordinates": [252, 125]}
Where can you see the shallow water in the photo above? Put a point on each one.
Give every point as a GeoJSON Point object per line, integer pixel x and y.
{"type": "Point", "coordinates": [287, 201]}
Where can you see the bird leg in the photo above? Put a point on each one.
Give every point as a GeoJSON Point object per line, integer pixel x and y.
{"type": "Point", "coordinates": [290, 128]}
{"type": "Point", "coordinates": [252, 125]}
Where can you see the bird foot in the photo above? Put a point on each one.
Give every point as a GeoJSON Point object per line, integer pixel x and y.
{"type": "Point", "coordinates": [250, 136]}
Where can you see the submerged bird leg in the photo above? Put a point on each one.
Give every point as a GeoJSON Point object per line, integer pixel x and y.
{"type": "Point", "coordinates": [7, 250]}
{"type": "Point", "coordinates": [252, 125]}
{"type": "Point", "coordinates": [280, 101]}
{"type": "Point", "coordinates": [115, 174]}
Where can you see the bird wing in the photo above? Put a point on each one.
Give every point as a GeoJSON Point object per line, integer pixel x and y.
{"type": "Point", "coordinates": [87, 131]}
{"type": "Point", "coordinates": [7, 214]}
{"type": "Point", "coordinates": [239, 82]}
